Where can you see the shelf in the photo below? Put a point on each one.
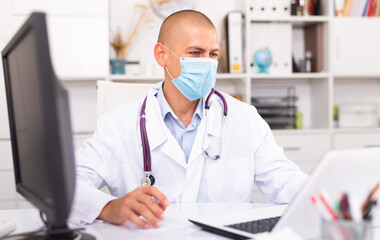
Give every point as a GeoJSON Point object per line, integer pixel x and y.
{"type": "Point", "coordinates": [326, 131]}
{"type": "Point", "coordinates": [357, 130]}
{"type": "Point", "coordinates": [357, 17]}
{"type": "Point", "coordinates": [231, 76]}
{"type": "Point", "coordinates": [145, 78]}
{"type": "Point", "coordinates": [295, 20]}
{"type": "Point", "coordinates": [142, 78]}
{"type": "Point", "coordinates": [82, 134]}
{"type": "Point", "coordinates": [300, 131]}
{"type": "Point", "coordinates": [291, 76]}
{"type": "Point", "coordinates": [356, 76]}
{"type": "Point", "coordinates": [80, 78]}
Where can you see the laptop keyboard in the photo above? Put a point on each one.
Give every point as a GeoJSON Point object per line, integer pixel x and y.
{"type": "Point", "coordinates": [256, 226]}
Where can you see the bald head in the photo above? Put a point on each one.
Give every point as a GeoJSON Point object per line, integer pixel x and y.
{"type": "Point", "coordinates": [172, 25]}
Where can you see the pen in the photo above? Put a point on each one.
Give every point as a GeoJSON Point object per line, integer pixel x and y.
{"type": "Point", "coordinates": [369, 198]}
{"type": "Point", "coordinates": [338, 198]}
{"type": "Point", "coordinates": [345, 207]}
{"type": "Point", "coordinates": [320, 208]}
{"type": "Point", "coordinates": [326, 205]}
{"type": "Point", "coordinates": [368, 209]}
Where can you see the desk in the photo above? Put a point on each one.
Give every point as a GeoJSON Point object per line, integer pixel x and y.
{"type": "Point", "coordinates": [175, 226]}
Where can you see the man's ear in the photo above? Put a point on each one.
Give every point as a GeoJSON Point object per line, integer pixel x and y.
{"type": "Point", "coordinates": [159, 54]}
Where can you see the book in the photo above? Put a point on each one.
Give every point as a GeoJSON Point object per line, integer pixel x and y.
{"type": "Point", "coordinates": [374, 9]}
{"type": "Point", "coordinates": [370, 8]}
{"type": "Point", "coordinates": [347, 8]}
{"type": "Point", "coordinates": [357, 8]}
{"type": "Point", "coordinates": [365, 8]}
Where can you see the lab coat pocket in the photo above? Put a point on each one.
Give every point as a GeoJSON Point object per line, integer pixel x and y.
{"type": "Point", "coordinates": [230, 180]}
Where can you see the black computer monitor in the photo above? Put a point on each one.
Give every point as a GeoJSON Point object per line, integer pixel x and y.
{"type": "Point", "coordinates": [40, 127]}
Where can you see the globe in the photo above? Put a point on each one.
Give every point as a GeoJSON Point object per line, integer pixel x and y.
{"type": "Point", "coordinates": [263, 59]}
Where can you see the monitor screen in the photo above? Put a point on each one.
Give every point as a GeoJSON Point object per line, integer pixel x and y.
{"type": "Point", "coordinates": [27, 109]}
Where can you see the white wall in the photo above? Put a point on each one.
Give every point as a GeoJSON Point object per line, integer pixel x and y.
{"type": "Point", "coordinates": [5, 33]}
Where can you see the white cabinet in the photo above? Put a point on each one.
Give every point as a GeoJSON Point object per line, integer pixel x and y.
{"type": "Point", "coordinates": [306, 149]}
{"type": "Point", "coordinates": [356, 140]}
{"type": "Point", "coordinates": [356, 46]}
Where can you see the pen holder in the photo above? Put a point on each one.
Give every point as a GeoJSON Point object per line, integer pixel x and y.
{"type": "Point", "coordinates": [346, 230]}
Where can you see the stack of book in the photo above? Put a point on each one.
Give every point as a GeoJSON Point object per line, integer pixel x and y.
{"type": "Point", "coordinates": [278, 110]}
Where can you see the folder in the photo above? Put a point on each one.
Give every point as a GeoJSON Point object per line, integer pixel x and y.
{"type": "Point", "coordinates": [261, 8]}
{"type": "Point", "coordinates": [269, 8]}
{"type": "Point", "coordinates": [234, 23]}
{"type": "Point", "coordinates": [278, 38]}
{"type": "Point", "coordinates": [283, 7]}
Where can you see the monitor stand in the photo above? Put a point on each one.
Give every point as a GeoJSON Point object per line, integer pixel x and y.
{"type": "Point", "coordinates": [67, 234]}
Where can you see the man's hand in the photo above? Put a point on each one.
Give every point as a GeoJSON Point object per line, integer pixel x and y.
{"type": "Point", "coordinates": [148, 202]}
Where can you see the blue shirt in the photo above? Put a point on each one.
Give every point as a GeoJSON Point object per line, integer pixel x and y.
{"type": "Point", "coordinates": [185, 136]}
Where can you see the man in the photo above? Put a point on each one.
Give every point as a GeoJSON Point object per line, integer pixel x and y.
{"type": "Point", "coordinates": [195, 156]}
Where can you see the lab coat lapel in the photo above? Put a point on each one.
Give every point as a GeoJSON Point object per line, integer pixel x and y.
{"type": "Point", "coordinates": [204, 136]}
{"type": "Point", "coordinates": [159, 134]}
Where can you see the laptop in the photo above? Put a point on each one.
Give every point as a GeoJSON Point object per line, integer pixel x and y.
{"type": "Point", "coordinates": [354, 171]}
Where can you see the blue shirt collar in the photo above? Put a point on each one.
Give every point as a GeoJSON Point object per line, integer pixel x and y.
{"type": "Point", "coordinates": [166, 109]}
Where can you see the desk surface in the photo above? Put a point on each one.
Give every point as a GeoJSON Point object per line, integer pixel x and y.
{"type": "Point", "coordinates": [175, 226]}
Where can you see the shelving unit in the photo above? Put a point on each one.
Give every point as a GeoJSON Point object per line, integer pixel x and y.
{"type": "Point", "coordinates": [319, 91]}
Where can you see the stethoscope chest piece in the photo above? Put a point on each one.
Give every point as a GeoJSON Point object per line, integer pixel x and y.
{"type": "Point", "coordinates": [148, 181]}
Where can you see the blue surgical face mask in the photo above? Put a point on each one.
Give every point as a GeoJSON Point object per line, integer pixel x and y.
{"type": "Point", "coordinates": [198, 76]}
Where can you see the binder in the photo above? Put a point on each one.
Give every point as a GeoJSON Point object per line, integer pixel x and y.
{"type": "Point", "coordinates": [278, 38]}
{"type": "Point", "coordinates": [314, 44]}
{"type": "Point", "coordinates": [282, 8]}
{"type": "Point", "coordinates": [269, 8]}
{"type": "Point", "coordinates": [234, 23]}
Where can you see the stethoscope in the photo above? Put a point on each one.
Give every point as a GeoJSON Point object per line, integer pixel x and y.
{"type": "Point", "coordinates": [149, 180]}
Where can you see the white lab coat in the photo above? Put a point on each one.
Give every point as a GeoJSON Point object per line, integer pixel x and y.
{"type": "Point", "coordinates": [113, 157]}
